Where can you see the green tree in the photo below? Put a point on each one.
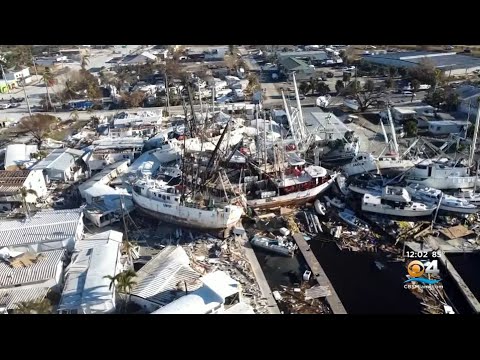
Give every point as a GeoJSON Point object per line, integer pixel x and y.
{"type": "Point", "coordinates": [410, 128]}
{"type": "Point", "coordinates": [231, 49]}
{"type": "Point", "coordinates": [366, 95]}
{"type": "Point", "coordinates": [415, 85]}
{"type": "Point", "coordinates": [24, 192]}
{"type": "Point", "coordinates": [339, 86]}
{"type": "Point", "coordinates": [346, 77]}
{"type": "Point", "coordinates": [322, 88]}
{"type": "Point", "coordinates": [389, 83]}
{"type": "Point", "coordinates": [402, 72]}
{"type": "Point", "coordinates": [435, 97]}
{"type": "Point", "coordinates": [313, 84]}
{"type": "Point", "coordinates": [133, 100]}
{"type": "Point", "coordinates": [34, 307]}
{"type": "Point", "coordinates": [451, 100]}
{"type": "Point", "coordinates": [304, 87]}
{"type": "Point", "coordinates": [392, 71]}
{"type": "Point", "coordinates": [124, 282]}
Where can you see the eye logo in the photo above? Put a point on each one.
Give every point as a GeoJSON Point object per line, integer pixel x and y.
{"type": "Point", "coordinates": [416, 268]}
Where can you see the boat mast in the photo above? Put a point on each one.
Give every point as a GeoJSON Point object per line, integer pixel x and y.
{"type": "Point", "coordinates": [474, 140]}
{"type": "Point", "coordinates": [289, 118]}
{"type": "Point", "coordinates": [394, 135]}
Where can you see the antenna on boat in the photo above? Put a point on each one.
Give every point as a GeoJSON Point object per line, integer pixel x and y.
{"type": "Point", "coordinates": [474, 140]}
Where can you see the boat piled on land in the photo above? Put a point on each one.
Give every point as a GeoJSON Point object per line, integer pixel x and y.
{"type": "Point", "coordinates": [352, 220]}
{"type": "Point", "coordinates": [168, 203]}
{"type": "Point", "coordinates": [395, 201]}
{"type": "Point", "coordinates": [279, 245]}
{"type": "Point", "coordinates": [447, 202]}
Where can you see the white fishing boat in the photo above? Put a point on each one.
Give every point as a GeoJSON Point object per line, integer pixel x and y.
{"type": "Point", "coordinates": [279, 245]}
{"type": "Point", "coordinates": [448, 202]}
{"type": "Point", "coordinates": [395, 201]}
{"type": "Point", "coordinates": [335, 202]}
{"type": "Point", "coordinates": [293, 188]}
{"type": "Point", "coordinates": [164, 202]}
{"type": "Point", "coordinates": [365, 162]}
{"type": "Point", "coordinates": [352, 220]}
{"type": "Point", "coordinates": [441, 174]}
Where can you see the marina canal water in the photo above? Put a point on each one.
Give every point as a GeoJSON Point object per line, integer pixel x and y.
{"type": "Point", "coordinates": [361, 286]}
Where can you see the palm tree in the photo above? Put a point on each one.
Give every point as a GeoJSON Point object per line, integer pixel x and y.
{"type": "Point", "coordinates": [48, 79]}
{"type": "Point", "coordinates": [23, 192]}
{"type": "Point", "coordinates": [68, 91]}
{"type": "Point", "coordinates": [124, 283]}
{"type": "Point", "coordinates": [34, 307]}
{"type": "Point", "coordinates": [85, 61]}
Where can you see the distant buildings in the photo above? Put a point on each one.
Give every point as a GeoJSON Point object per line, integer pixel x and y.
{"type": "Point", "coordinates": [468, 96]}
{"type": "Point", "coordinates": [449, 62]}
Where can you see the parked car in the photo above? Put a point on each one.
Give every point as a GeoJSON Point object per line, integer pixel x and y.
{"type": "Point", "coordinates": [16, 100]}
{"type": "Point", "coordinates": [14, 105]}
{"type": "Point", "coordinates": [410, 93]}
{"type": "Point", "coordinates": [5, 106]}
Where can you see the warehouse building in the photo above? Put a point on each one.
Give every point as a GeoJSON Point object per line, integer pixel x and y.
{"type": "Point", "coordinates": [450, 63]}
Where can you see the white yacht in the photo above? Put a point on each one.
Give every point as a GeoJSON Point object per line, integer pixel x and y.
{"type": "Point", "coordinates": [441, 174]}
{"type": "Point", "coordinates": [164, 202]}
{"type": "Point", "coordinates": [448, 203]}
{"type": "Point", "coordinates": [395, 201]}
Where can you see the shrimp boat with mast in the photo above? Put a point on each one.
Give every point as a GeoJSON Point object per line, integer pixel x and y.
{"type": "Point", "coordinates": [279, 174]}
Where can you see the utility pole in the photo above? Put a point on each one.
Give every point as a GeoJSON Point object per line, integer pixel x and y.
{"type": "Point", "coordinates": [475, 135]}
{"type": "Point", "coordinates": [167, 91]}
{"type": "Point", "coordinates": [26, 97]}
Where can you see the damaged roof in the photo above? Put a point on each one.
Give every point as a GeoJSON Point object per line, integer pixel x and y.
{"type": "Point", "coordinates": [12, 181]}
{"type": "Point", "coordinates": [158, 281]}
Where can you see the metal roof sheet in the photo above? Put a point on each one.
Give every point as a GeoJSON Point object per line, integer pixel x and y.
{"type": "Point", "coordinates": [9, 298]}
{"type": "Point", "coordinates": [44, 226]}
{"type": "Point", "coordinates": [45, 268]}
{"type": "Point", "coordinates": [158, 280]}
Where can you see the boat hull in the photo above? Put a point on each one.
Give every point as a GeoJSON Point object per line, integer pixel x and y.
{"type": "Point", "coordinates": [188, 217]}
{"type": "Point", "coordinates": [397, 211]}
{"type": "Point", "coordinates": [296, 198]}
{"type": "Point", "coordinates": [453, 183]}
{"type": "Point", "coordinates": [460, 210]}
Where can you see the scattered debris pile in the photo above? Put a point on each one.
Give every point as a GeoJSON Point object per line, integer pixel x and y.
{"type": "Point", "coordinates": [211, 254]}
{"type": "Point", "coordinates": [303, 299]}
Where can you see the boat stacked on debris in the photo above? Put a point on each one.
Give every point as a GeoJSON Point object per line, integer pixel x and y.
{"type": "Point", "coordinates": [441, 174]}
{"type": "Point", "coordinates": [395, 201]}
{"type": "Point", "coordinates": [435, 196]}
{"type": "Point", "coordinates": [279, 245]}
{"type": "Point", "coordinates": [349, 217]}
{"type": "Point", "coordinates": [365, 162]}
{"type": "Point", "coordinates": [169, 203]}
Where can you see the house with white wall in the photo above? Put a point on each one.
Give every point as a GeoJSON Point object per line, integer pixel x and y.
{"type": "Point", "coordinates": [12, 181]}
